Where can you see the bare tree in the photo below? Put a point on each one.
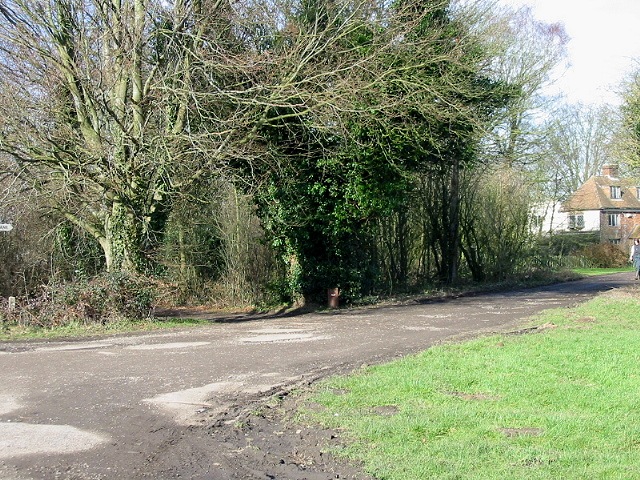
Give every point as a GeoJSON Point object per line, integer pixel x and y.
{"type": "Point", "coordinates": [495, 217]}
{"type": "Point", "coordinates": [579, 145]}
{"type": "Point", "coordinates": [627, 135]}
{"type": "Point", "coordinates": [527, 52]}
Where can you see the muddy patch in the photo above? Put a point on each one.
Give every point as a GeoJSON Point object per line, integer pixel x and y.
{"type": "Point", "coordinates": [386, 410]}
{"type": "Point", "coordinates": [191, 406]}
{"type": "Point", "coordinates": [270, 443]}
{"type": "Point", "coordinates": [473, 396]}
{"type": "Point", "coordinates": [184, 405]}
{"type": "Point", "coordinates": [586, 320]}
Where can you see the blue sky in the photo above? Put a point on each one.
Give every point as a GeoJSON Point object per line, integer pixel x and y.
{"type": "Point", "coordinates": [604, 45]}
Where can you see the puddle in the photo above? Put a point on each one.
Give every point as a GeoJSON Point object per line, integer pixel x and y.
{"type": "Point", "coordinates": [18, 439]}
{"type": "Point", "coordinates": [74, 347]}
{"type": "Point", "coordinates": [167, 346]}
{"type": "Point", "coordinates": [8, 404]}
{"type": "Point", "coordinates": [281, 337]}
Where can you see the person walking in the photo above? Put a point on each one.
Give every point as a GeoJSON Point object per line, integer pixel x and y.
{"type": "Point", "coordinates": [634, 256]}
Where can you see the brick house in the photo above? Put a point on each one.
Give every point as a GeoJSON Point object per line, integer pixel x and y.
{"type": "Point", "coordinates": [608, 204]}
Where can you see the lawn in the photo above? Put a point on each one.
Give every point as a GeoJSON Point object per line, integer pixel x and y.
{"type": "Point", "coordinates": [602, 271]}
{"type": "Point", "coordinates": [559, 401]}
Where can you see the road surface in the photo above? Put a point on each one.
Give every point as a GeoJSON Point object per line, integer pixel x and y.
{"type": "Point", "coordinates": [155, 405]}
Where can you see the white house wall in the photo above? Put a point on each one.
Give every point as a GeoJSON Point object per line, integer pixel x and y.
{"type": "Point", "coordinates": [555, 220]}
{"type": "Point", "coordinates": [591, 220]}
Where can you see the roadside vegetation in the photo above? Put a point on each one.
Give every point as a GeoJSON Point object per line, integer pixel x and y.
{"type": "Point", "coordinates": [103, 306]}
{"type": "Point", "coordinates": [554, 400]}
{"type": "Point", "coordinates": [19, 331]}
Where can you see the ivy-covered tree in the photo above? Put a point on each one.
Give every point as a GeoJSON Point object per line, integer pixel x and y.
{"type": "Point", "coordinates": [419, 108]}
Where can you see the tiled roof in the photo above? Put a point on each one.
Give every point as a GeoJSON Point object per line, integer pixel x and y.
{"type": "Point", "coordinates": [595, 194]}
{"type": "Point", "coordinates": [635, 233]}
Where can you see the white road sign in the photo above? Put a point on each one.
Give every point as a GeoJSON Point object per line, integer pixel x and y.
{"type": "Point", "coordinates": [6, 227]}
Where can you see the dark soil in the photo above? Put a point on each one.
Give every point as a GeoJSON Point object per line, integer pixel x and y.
{"type": "Point", "coordinates": [263, 439]}
{"type": "Point", "coordinates": [270, 444]}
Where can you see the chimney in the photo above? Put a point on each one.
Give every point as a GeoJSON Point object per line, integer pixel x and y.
{"type": "Point", "coordinates": [610, 170]}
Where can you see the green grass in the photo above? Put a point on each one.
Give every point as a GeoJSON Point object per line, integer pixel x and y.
{"type": "Point", "coordinates": [601, 271]}
{"type": "Point", "coordinates": [560, 403]}
{"type": "Point", "coordinates": [20, 332]}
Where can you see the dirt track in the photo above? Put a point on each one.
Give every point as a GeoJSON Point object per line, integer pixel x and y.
{"type": "Point", "coordinates": [211, 402]}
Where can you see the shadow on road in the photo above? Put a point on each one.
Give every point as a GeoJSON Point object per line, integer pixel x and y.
{"type": "Point", "coordinates": [583, 286]}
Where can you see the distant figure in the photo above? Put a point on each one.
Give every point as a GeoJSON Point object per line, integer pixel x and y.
{"type": "Point", "coordinates": [634, 256]}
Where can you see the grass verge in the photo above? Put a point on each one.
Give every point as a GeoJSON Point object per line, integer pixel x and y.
{"type": "Point", "coordinates": [601, 271]}
{"type": "Point", "coordinates": [78, 330]}
{"type": "Point", "coordinates": [561, 402]}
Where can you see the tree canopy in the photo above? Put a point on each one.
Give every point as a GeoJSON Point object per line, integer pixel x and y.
{"type": "Point", "coordinates": [335, 119]}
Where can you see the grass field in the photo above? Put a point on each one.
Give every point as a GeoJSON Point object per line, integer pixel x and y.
{"type": "Point", "coordinates": [562, 401]}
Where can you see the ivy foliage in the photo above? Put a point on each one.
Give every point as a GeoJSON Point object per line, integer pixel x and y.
{"type": "Point", "coordinates": [424, 116]}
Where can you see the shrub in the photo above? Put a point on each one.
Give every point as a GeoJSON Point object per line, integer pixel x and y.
{"type": "Point", "coordinates": [102, 299]}
{"type": "Point", "coordinates": [604, 255]}
{"type": "Point", "coordinates": [568, 243]}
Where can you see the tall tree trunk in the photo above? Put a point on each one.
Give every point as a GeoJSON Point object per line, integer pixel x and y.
{"type": "Point", "coordinates": [122, 240]}
{"type": "Point", "coordinates": [454, 222]}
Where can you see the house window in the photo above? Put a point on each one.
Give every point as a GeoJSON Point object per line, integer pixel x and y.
{"type": "Point", "coordinates": [614, 241]}
{"type": "Point", "coordinates": [576, 221]}
{"type": "Point", "coordinates": [614, 220]}
{"type": "Point", "coordinates": [615, 192]}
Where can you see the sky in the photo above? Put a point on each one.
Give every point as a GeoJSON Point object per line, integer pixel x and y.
{"type": "Point", "coordinates": [604, 44]}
